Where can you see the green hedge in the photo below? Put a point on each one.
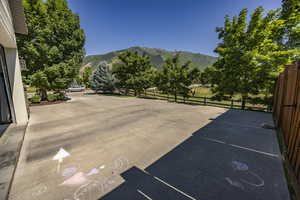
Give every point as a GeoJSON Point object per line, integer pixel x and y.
{"type": "Point", "coordinates": [52, 97]}
{"type": "Point", "coordinates": [36, 99]}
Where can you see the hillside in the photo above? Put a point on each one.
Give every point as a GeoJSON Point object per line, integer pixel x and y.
{"type": "Point", "coordinates": [157, 57]}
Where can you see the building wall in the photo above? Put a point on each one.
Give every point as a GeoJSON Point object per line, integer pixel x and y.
{"type": "Point", "coordinates": [7, 34]}
{"type": "Point", "coordinates": [8, 41]}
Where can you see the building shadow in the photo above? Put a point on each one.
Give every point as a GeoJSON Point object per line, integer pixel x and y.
{"type": "Point", "coordinates": [231, 158]}
{"type": "Point", "coordinates": [3, 128]}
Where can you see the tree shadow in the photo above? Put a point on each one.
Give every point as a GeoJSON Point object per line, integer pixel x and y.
{"type": "Point", "coordinates": [232, 157]}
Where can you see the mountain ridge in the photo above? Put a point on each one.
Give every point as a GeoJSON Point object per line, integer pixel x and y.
{"type": "Point", "coordinates": [157, 57]}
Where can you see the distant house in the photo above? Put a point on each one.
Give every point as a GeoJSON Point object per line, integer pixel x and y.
{"type": "Point", "coordinates": [12, 100]}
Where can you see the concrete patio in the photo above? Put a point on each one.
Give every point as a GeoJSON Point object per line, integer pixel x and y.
{"type": "Point", "coordinates": [130, 148]}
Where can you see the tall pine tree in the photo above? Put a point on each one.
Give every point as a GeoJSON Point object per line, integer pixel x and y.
{"type": "Point", "coordinates": [102, 79]}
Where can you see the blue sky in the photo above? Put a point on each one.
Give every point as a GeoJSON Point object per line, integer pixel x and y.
{"type": "Point", "coordinates": [169, 24]}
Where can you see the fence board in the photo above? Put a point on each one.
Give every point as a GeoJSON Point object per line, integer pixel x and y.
{"type": "Point", "coordinates": [286, 112]}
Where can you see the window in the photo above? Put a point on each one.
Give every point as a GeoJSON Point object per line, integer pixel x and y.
{"type": "Point", "coordinates": [5, 112]}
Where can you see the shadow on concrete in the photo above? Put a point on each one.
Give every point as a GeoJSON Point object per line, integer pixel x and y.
{"type": "Point", "coordinates": [232, 157]}
{"type": "Point", "coordinates": [3, 127]}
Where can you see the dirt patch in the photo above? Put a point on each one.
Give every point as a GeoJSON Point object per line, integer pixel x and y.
{"type": "Point", "coordinates": [47, 103]}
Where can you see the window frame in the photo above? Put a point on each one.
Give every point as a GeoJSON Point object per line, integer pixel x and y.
{"type": "Point", "coordinates": [7, 86]}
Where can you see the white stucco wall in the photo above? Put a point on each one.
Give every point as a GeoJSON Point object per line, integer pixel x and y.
{"type": "Point", "coordinates": [8, 41]}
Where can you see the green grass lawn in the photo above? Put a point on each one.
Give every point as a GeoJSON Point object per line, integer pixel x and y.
{"type": "Point", "coordinates": [206, 92]}
{"type": "Point", "coordinates": [203, 92]}
{"type": "Point", "coordinates": [117, 95]}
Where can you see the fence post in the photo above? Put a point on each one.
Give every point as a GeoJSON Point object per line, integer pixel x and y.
{"type": "Point", "coordinates": [204, 100]}
{"type": "Point", "coordinates": [231, 103]}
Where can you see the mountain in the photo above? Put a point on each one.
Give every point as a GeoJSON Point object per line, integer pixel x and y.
{"type": "Point", "coordinates": [157, 56]}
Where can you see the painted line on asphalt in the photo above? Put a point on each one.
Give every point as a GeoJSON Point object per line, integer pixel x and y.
{"type": "Point", "coordinates": [240, 147]}
{"type": "Point", "coordinates": [174, 188]}
{"type": "Point", "coordinates": [142, 193]}
{"type": "Point", "coordinates": [253, 150]}
{"type": "Point", "coordinates": [213, 140]}
{"type": "Point", "coordinates": [239, 125]}
{"type": "Point", "coordinates": [167, 184]}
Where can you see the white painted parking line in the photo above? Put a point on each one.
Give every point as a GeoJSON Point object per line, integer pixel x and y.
{"type": "Point", "coordinates": [213, 140]}
{"type": "Point", "coordinates": [253, 150]}
{"type": "Point", "coordinates": [240, 147]}
{"type": "Point", "coordinates": [174, 188]}
{"type": "Point", "coordinates": [142, 193]}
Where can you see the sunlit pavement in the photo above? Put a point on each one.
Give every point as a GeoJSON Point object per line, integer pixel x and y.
{"type": "Point", "coordinates": [77, 150]}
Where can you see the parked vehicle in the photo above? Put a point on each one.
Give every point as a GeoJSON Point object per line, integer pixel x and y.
{"type": "Point", "coordinates": [75, 88]}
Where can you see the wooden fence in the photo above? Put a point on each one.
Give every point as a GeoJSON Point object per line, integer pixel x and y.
{"type": "Point", "coordinates": [286, 112]}
{"type": "Point", "coordinates": [231, 103]}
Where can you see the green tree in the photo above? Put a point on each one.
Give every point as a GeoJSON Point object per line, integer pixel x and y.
{"type": "Point", "coordinates": [102, 79]}
{"type": "Point", "coordinates": [133, 71]}
{"type": "Point", "coordinates": [290, 34]}
{"type": "Point", "coordinates": [40, 81]}
{"type": "Point", "coordinates": [86, 76]}
{"type": "Point", "coordinates": [208, 76]}
{"type": "Point", "coordinates": [175, 78]}
{"type": "Point", "coordinates": [78, 80]}
{"type": "Point", "coordinates": [249, 54]}
{"type": "Point", "coordinates": [55, 40]}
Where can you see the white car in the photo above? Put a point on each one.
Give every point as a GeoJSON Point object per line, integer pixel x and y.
{"type": "Point", "coordinates": [75, 89]}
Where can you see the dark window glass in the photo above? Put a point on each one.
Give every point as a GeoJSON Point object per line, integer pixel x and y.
{"type": "Point", "coordinates": [5, 114]}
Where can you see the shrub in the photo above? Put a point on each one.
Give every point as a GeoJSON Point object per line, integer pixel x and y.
{"type": "Point", "coordinates": [36, 99]}
{"type": "Point", "coordinates": [52, 97]}
{"type": "Point", "coordinates": [60, 96]}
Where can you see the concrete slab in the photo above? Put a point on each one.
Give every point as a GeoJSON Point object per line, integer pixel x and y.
{"type": "Point", "coordinates": [105, 136]}
{"type": "Point", "coordinates": [129, 148]}
{"type": "Point", "coordinates": [10, 146]}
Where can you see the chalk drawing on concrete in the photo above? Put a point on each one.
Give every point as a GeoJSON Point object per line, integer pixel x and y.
{"type": "Point", "coordinates": [88, 191]}
{"type": "Point", "coordinates": [69, 171]}
{"type": "Point", "coordinates": [102, 167]}
{"type": "Point", "coordinates": [120, 164]}
{"type": "Point", "coordinates": [234, 183]}
{"type": "Point", "coordinates": [240, 166]}
{"type": "Point", "coordinates": [39, 190]}
{"type": "Point", "coordinates": [260, 182]}
{"type": "Point", "coordinates": [243, 167]}
{"type": "Point", "coordinates": [93, 172]}
{"type": "Point", "coordinates": [59, 156]}
{"type": "Point", "coordinates": [77, 179]}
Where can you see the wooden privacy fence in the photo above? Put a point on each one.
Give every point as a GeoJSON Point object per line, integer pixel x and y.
{"type": "Point", "coordinates": [286, 112]}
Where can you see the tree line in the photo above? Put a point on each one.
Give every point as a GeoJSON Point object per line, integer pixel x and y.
{"type": "Point", "coordinates": [251, 52]}
{"type": "Point", "coordinates": [251, 55]}
{"type": "Point", "coordinates": [135, 72]}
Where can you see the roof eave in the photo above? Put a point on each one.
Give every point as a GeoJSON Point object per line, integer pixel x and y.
{"type": "Point", "coordinates": [18, 16]}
